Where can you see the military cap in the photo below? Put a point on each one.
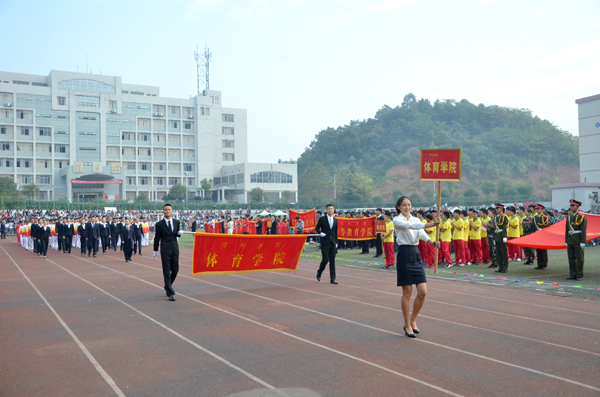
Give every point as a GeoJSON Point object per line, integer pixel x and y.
{"type": "Point", "coordinates": [575, 202]}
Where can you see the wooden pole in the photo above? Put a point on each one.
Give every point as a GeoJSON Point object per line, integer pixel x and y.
{"type": "Point", "coordinates": [437, 228]}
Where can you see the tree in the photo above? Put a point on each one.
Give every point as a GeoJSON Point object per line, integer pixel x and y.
{"type": "Point", "coordinates": [257, 195]}
{"type": "Point", "coordinates": [143, 196]}
{"type": "Point", "coordinates": [177, 192]}
{"type": "Point", "coordinates": [357, 187]}
{"type": "Point", "coordinates": [287, 196]}
{"type": "Point", "coordinates": [31, 190]}
{"type": "Point", "coordinates": [524, 189]}
{"type": "Point", "coordinates": [471, 192]}
{"type": "Point", "coordinates": [315, 182]}
{"type": "Point", "coordinates": [206, 185]}
{"type": "Point", "coordinates": [8, 187]}
{"type": "Point", "coordinates": [488, 187]}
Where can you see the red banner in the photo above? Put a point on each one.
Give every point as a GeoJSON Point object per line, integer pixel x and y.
{"type": "Point", "coordinates": [440, 165]}
{"type": "Point", "coordinates": [210, 228]}
{"type": "Point", "coordinates": [356, 228]}
{"type": "Point", "coordinates": [380, 227]}
{"type": "Point", "coordinates": [230, 253]}
{"type": "Point", "coordinates": [308, 217]}
{"type": "Point", "coordinates": [553, 237]}
{"type": "Point", "coordinates": [120, 182]}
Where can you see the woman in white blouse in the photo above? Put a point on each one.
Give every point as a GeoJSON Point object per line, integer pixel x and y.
{"type": "Point", "coordinates": [229, 224]}
{"type": "Point", "coordinates": [409, 263]}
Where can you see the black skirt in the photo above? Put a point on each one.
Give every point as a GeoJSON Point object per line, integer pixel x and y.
{"type": "Point", "coordinates": [409, 266]}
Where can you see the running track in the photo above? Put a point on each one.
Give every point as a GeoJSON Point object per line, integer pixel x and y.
{"type": "Point", "coordinates": [74, 326]}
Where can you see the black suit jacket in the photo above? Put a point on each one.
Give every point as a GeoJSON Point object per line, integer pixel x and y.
{"type": "Point", "coordinates": [331, 234]}
{"type": "Point", "coordinates": [69, 230]}
{"type": "Point", "coordinates": [45, 233]}
{"type": "Point", "coordinates": [163, 233]}
{"type": "Point", "coordinates": [59, 228]}
{"type": "Point", "coordinates": [137, 231]}
{"type": "Point", "coordinates": [104, 230]}
{"type": "Point", "coordinates": [92, 232]}
{"type": "Point", "coordinates": [194, 226]}
{"type": "Point", "coordinates": [127, 236]}
{"type": "Point", "coordinates": [112, 229]}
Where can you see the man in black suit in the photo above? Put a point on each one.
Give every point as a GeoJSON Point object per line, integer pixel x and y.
{"type": "Point", "coordinates": [82, 232]}
{"type": "Point", "coordinates": [112, 233]}
{"type": "Point", "coordinates": [126, 234]}
{"type": "Point", "coordinates": [167, 231]}
{"type": "Point", "coordinates": [120, 227]}
{"type": "Point", "coordinates": [259, 225]}
{"type": "Point", "coordinates": [364, 243]}
{"type": "Point", "coordinates": [194, 225]}
{"type": "Point", "coordinates": [44, 233]}
{"type": "Point", "coordinates": [3, 230]}
{"type": "Point", "coordinates": [137, 237]}
{"type": "Point", "coordinates": [378, 241]}
{"type": "Point", "coordinates": [93, 234]}
{"type": "Point", "coordinates": [60, 233]}
{"type": "Point", "coordinates": [69, 231]}
{"type": "Point", "coordinates": [327, 227]}
{"type": "Point", "coordinates": [34, 235]}
{"type": "Point", "coordinates": [104, 233]}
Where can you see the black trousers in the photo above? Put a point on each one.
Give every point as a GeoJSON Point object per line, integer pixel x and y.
{"type": "Point", "coordinates": [67, 244]}
{"type": "Point", "coordinates": [44, 246]}
{"type": "Point", "coordinates": [104, 240]}
{"type": "Point", "coordinates": [92, 246]}
{"type": "Point", "coordinates": [3, 235]}
{"type": "Point", "coordinates": [365, 246]}
{"type": "Point", "coordinates": [542, 258]}
{"type": "Point", "coordinates": [379, 245]}
{"type": "Point", "coordinates": [328, 254]}
{"type": "Point", "coordinates": [83, 242]}
{"type": "Point", "coordinates": [60, 243]}
{"type": "Point", "coordinates": [137, 248]}
{"type": "Point", "coordinates": [170, 265]}
{"type": "Point", "coordinates": [113, 241]}
{"type": "Point", "coordinates": [127, 250]}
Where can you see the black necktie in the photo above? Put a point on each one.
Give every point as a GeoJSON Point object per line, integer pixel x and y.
{"type": "Point", "coordinates": [169, 224]}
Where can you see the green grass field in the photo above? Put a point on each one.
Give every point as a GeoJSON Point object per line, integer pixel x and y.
{"type": "Point", "coordinates": [558, 270]}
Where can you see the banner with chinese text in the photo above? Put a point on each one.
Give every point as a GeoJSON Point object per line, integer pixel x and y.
{"type": "Point", "coordinates": [308, 217]}
{"type": "Point", "coordinates": [440, 165]}
{"type": "Point", "coordinates": [230, 253]}
{"type": "Point", "coordinates": [356, 228]}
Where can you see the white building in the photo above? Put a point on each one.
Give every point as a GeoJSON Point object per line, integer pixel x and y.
{"type": "Point", "coordinates": [82, 136]}
{"type": "Point", "coordinates": [588, 188]}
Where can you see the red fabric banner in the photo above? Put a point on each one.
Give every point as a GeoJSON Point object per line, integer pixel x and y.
{"type": "Point", "coordinates": [356, 228]}
{"type": "Point", "coordinates": [227, 253]}
{"type": "Point", "coordinates": [440, 165]}
{"type": "Point", "coordinates": [308, 217]}
{"type": "Point", "coordinates": [553, 237]}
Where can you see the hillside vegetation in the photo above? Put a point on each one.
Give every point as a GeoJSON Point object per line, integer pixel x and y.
{"type": "Point", "coordinates": [507, 153]}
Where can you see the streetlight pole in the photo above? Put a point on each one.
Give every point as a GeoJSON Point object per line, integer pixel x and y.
{"type": "Point", "coordinates": [186, 189]}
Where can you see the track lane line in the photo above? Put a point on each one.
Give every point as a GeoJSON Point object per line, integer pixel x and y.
{"type": "Point", "coordinates": [349, 321]}
{"type": "Point", "coordinates": [107, 378]}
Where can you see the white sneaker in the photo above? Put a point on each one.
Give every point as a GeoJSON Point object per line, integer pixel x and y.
{"type": "Point", "coordinates": [461, 265]}
{"type": "Point", "coordinates": [468, 263]}
{"type": "Point", "coordinates": [518, 260]}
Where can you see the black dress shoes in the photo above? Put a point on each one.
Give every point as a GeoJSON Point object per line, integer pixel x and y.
{"type": "Point", "coordinates": [333, 282]}
{"type": "Point", "coordinates": [497, 271]}
{"type": "Point", "coordinates": [571, 278]}
{"type": "Point", "coordinates": [172, 298]}
{"type": "Point", "coordinates": [318, 277]}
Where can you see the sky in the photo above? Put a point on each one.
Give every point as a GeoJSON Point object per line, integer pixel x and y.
{"type": "Point", "coordinates": [301, 66]}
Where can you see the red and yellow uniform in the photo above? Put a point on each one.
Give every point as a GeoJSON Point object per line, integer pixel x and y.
{"type": "Point", "coordinates": [475, 240]}
{"type": "Point", "coordinates": [446, 241]}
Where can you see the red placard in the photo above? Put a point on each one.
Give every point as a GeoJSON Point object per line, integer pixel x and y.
{"type": "Point", "coordinates": [111, 182]}
{"type": "Point", "coordinates": [356, 228]}
{"type": "Point", "coordinates": [440, 165]}
{"type": "Point", "coordinates": [380, 227]}
{"type": "Point", "coordinates": [231, 253]}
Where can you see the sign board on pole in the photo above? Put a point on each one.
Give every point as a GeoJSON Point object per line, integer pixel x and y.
{"type": "Point", "coordinates": [440, 165]}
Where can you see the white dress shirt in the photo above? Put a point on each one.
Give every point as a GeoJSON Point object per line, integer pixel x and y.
{"type": "Point", "coordinates": [409, 231]}
{"type": "Point", "coordinates": [330, 219]}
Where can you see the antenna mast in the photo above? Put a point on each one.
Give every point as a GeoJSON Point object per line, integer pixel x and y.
{"type": "Point", "coordinates": [197, 57]}
{"type": "Point", "coordinates": [203, 65]}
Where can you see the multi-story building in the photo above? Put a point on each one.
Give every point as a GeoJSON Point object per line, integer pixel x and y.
{"type": "Point", "coordinates": [81, 136]}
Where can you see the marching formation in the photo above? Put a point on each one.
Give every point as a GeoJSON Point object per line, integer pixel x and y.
{"type": "Point", "coordinates": [89, 234]}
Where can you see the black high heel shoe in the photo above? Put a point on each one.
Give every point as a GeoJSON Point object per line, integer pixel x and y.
{"type": "Point", "coordinates": [409, 335]}
{"type": "Point", "coordinates": [416, 330]}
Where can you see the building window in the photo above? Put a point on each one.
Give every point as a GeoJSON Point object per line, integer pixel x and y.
{"type": "Point", "coordinates": [204, 111]}
{"type": "Point", "coordinates": [215, 100]}
{"type": "Point", "coordinates": [172, 181]}
{"type": "Point", "coordinates": [188, 167]}
{"type": "Point", "coordinates": [240, 178]}
{"type": "Point", "coordinates": [189, 153]}
{"type": "Point", "coordinates": [228, 118]}
{"type": "Point", "coordinates": [173, 138]}
{"type": "Point", "coordinates": [144, 181]}
{"type": "Point", "coordinates": [5, 146]}
{"type": "Point", "coordinates": [228, 157]}
{"type": "Point", "coordinates": [42, 164]}
{"type": "Point", "coordinates": [59, 164]}
{"type": "Point", "coordinates": [188, 126]}
{"type": "Point", "coordinates": [3, 130]}
{"type": "Point", "coordinates": [26, 179]}
{"type": "Point", "coordinates": [24, 147]}
{"type": "Point", "coordinates": [270, 177]}
{"type": "Point", "coordinates": [173, 124]}
{"type": "Point", "coordinates": [5, 113]}
{"type": "Point", "coordinates": [127, 151]}
{"type": "Point", "coordinates": [144, 137]}
{"type": "Point", "coordinates": [160, 166]}
{"type": "Point", "coordinates": [187, 139]}
{"type": "Point", "coordinates": [61, 100]}
{"type": "Point", "coordinates": [43, 179]}
{"type": "Point", "coordinates": [188, 111]}
{"type": "Point", "coordinates": [43, 148]}
{"type": "Point", "coordinates": [174, 153]}
{"type": "Point", "coordinates": [144, 151]}
{"type": "Point", "coordinates": [60, 148]}
{"type": "Point", "coordinates": [128, 136]}
{"type": "Point", "coordinates": [144, 166]}
{"type": "Point", "coordinates": [21, 163]}
{"type": "Point", "coordinates": [40, 84]}
{"type": "Point", "coordinates": [190, 181]}
{"type": "Point", "coordinates": [228, 144]}
{"type": "Point", "coordinates": [113, 150]}
{"type": "Point", "coordinates": [45, 132]}
{"type": "Point", "coordinates": [131, 180]}
{"type": "Point", "coordinates": [143, 122]}
{"type": "Point", "coordinates": [112, 105]}
{"type": "Point", "coordinates": [24, 131]}
{"type": "Point", "coordinates": [174, 109]}
{"type": "Point", "coordinates": [159, 181]}
{"type": "Point", "coordinates": [5, 97]}
{"type": "Point", "coordinates": [131, 166]}
{"type": "Point", "coordinates": [228, 131]}
{"type": "Point", "coordinates": [20, 82]}
{"type": "Point", "coordinates": [159, 152]}
{"type": "Point", "coordinates": [175, 167]}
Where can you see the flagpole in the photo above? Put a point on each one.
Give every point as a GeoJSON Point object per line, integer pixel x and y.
{"type": "Point", "coordinates": [437, 228]}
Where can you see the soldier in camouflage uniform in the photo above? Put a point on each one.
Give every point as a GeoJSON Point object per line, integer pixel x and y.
{"type": "Point", "coordinates": [528, 228]}
{"type": "Point", "coordinates": [490, 238]}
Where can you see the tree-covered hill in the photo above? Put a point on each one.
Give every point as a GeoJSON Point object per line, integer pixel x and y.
{"type": "Point", "coordinates": [505, 152]}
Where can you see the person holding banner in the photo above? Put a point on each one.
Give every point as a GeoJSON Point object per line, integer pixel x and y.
{"type": "Point", "coordinates": [388, 240]}
{"type": "Point", "coordinates": [327, 226]}
{"type": "Point", "coordinates": [409, 264]}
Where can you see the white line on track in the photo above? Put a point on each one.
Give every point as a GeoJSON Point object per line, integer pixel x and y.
{"type": "Point", "coordinates": [349, 321]}
{"type": "Point", "coordinates": [440, 389]}
{"type": "Point", "coordinates": [107, 378]}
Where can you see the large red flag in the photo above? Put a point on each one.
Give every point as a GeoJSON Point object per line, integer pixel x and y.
{"type": "Point", "coordinates": [308, 217]}
{"type": "Point", "coordinates": [356, 228]}
{"type": "Point", "coordinates": [234, 253]}
{"type": "Point", "coordinates": [553, 237]}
